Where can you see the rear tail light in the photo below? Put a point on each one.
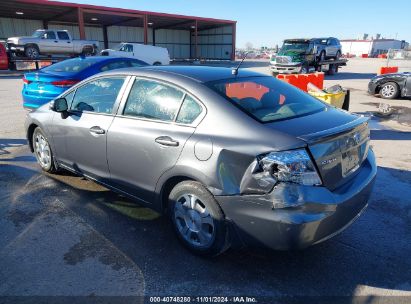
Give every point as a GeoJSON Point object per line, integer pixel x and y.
{"type": "Point", "coordinates": [26, 81]}
{"type": "Point", "coordinates": [64, 83]}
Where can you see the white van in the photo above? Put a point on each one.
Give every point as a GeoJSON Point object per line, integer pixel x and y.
{"type": "Point", "coordinates": [153, 55]}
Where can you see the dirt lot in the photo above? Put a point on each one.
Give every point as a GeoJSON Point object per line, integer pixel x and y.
{"type": "Point", "coordinates": [66, 236]}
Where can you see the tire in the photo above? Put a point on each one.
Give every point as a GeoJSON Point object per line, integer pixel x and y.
{"type": "Point", "coordinates": [322, 56]}
{"type": "Point", "coordinates": [197, 219]}
{"type": "Point", "coordinates": [43, 152]}
{"type": "Point", "coordinates": [157, 63]}
{"type": "Point", "coordinates": [304, 69]}
{"type": "Point", "coordinates": [338, 55]}
{"type": "Point", "coordinates": [332, 70]}
{"type": "Point", "coordinates": [88, 51]}
{"type": "Point", "coordinates": [32, 52]}
{"type": "Point", "coordinates": [389, 90]}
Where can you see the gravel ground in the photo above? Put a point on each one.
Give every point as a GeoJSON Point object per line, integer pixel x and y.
{"type": "Point", "coordinates": [64, 238]}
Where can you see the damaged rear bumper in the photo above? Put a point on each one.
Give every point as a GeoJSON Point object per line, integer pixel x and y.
{"type": "Point", "coordinates": [316, 213]}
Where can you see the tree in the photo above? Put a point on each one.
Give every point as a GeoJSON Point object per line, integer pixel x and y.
{"type": "Point", "coordinates": [249, 46]}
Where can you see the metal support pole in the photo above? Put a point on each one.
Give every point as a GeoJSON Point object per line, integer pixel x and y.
{"type": "Point", "coordinates": [145, 20]}
{"type": "Point", "coordinates": [81, 23]}
{"type": "Point", "coordinates": [105, 36]}
{"type": "Point", "coordinates": [233, 36]}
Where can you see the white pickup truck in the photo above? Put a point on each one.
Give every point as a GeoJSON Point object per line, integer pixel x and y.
{"type": "Point", "coordinates": [49, 42]}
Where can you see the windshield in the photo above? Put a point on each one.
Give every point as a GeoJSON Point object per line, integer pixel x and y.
{"type": "Point", "coordinates": [294, 47]}
{"type": "Point", "coordinates": [37, 34]}
{"type": "Point", "coordinates": [266, 98]}
{"type": "Point", "coordinates": [70, 66]}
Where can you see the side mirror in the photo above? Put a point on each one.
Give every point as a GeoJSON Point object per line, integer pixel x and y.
{"type": "Point", "coordinates": [60, 105]}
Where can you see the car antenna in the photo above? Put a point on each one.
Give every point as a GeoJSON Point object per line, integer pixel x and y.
{"type": "Point", "coordinates": [234, 71]}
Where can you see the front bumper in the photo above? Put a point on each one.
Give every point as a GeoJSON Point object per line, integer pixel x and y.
{"type": "Point", "coordinates": [372, 88]}
{"type": "Point", "coordinates": [323, 214]}
{"type": "Point", "coordinates": [285, 69]}
{"type": "Point", "coordinates": [14, 47]}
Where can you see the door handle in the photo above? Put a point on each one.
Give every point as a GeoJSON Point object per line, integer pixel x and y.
{"type": "Point", "coordinates": [97, 130]}
{"type": "Point", "coordinates": [166, 141]}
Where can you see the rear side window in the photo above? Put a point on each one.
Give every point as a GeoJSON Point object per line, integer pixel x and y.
{"type": "Point", "coordinates": [63, 36]}
{"type": "Point", "coordinates": [97, 96]}
{"type": "Point", "coordinates": [153, 100]}
{"type": "Point", "coordinates": [115, 65]}
{"type": "Point", "coordinates": [266, 98]}
{"type": "Point", "coordinates": [70, 65]}
{"type": "Point", "coordinates": [189, 111]}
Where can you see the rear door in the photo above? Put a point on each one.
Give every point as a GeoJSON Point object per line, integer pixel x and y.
{"type": "Point", "coordinates": [148, 134]}
{"type": "Point", "coordinates": [80, 138]}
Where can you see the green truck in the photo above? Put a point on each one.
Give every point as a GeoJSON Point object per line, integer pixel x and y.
{"type": "Point", "coordinates": [308, 55]}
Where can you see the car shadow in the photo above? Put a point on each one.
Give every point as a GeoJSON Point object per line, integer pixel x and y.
{"type": "Point", "coordinates": [373, 253]}
{"type": "Point", "coordinates": [349, 75]}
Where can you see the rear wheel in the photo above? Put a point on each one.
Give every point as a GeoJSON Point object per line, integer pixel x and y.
{"type": "Point", "coordinates": [389, 90]}
{"type": "Point", "coordinates": [198, 219]}
{"type": "Point", "coordinates": [42, 151]}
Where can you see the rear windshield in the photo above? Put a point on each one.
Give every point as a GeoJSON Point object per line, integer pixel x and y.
{"type": "Point", "coordinates": [266, 98]}
{"type": "Point", "coordinates": [70, 66]}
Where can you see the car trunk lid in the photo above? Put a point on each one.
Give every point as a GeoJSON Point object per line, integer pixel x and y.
{"type": "Point", "coordinates": [338, 142]}
{"type": "Point", "coordinates": [43, 82]}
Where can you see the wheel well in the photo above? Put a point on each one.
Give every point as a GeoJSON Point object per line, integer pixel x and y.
{"type": "Point", "coordinates": [31, 44]}
{"type": "Point", "coordinates": [88, 47]}
{"type": "Point", "coordinates": [168, 186]}
{"type": "Point", "coordinates": [30, 132]}
{"type": "Point", "coordinates": [157, 63]}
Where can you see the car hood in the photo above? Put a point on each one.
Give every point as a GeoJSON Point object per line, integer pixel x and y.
{"type": "Point", "coordinates": [392, 75]}
{"type": "Point", "coordinates": [16, 39]}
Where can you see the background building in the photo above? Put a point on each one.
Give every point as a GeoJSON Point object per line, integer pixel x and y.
{"type": "Point", "coordinates": [371, 46]}
{"type": "Point", "coordinates": [186, 37]}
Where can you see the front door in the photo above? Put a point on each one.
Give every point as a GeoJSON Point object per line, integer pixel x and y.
{"type": "Point", "coordinates": [147, 136]}
{"type": "Point", "coordinates": [80, 137]}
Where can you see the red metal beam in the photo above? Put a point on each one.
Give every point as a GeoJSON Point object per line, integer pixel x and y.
{"type": "Point", "coordinates": [233, 36]}
{"type": "Point", "coordinates": [122, 14]}
{"type": "Point", "coordinates": [112, 10]}
{"type": "Point", "coordinates": [81, 23]}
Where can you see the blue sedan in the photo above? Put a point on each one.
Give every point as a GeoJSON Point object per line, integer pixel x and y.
{"type": "Point", "coordinates": [46, 84]}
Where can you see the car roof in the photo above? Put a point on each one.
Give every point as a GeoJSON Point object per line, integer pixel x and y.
{"type": "Point", "coordinates": [198, 73]}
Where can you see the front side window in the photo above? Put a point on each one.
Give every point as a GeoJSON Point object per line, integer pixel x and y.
{"type": "Point", "coordinates": [127, 48]}
{"type": "Point", "coordinates": [63, 35]}
{"type": "Point", "coordinates": [50, 35]}
{"type": "Point", "coordinates": [153, 100]}
{"type": "Point", "coordinates": [267, 99]}
{"type": "Point", "coordinates": [97, 96]}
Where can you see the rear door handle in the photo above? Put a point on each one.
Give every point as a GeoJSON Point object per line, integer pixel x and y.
{"type": "Point", "coordinates": [97, 130]}
{"type": "Point", "coordinates": [166, 141]}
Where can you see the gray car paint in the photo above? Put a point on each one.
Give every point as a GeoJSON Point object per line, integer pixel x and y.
{"type": "Point", "coordinates": [216, 151]}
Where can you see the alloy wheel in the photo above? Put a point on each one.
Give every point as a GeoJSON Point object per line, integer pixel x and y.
{"type": "Point", "coordinates": [42, 150]}
{"type": "Point", "coordinates": [194, 222]}
{"type": "Point", "coordinates": [388, 91]}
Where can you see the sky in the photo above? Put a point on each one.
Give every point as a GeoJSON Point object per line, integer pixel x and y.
{"type": "Point", "coordinates": [267, 23]}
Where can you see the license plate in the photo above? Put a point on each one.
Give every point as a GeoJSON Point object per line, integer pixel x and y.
{"type": "Point", "coordinates": [350, 161]}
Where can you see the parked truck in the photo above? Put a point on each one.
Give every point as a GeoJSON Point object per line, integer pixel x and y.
{"type": "Point", "coordinates": [307, 55]}
{"type": "Point", "coordinates": [50, 42]}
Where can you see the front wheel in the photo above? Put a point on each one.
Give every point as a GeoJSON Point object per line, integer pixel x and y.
{"type": "Point", "coordinates": [43, 152]}
{"type": "Point", "coordinates": [198, 219]}
{"type": "Point", "coordinates": [389, 90]}
{"type": "Point", "coordinates": [32, 52]}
